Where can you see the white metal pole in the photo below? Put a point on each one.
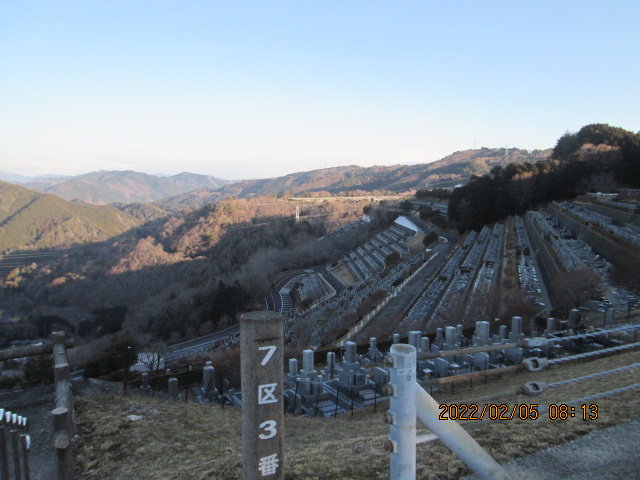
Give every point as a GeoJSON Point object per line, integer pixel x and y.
{"type": "Point", "coordinates": [457, 439]}
{"type": "Point", "coordinates": [402, 441]}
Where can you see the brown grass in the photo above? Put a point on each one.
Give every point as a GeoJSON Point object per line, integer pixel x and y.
{"type": "Point", "coordinates": [189, 441]}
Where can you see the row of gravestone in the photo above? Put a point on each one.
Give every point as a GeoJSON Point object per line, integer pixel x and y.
{"type": "Point", "coordinates": [358, 380]}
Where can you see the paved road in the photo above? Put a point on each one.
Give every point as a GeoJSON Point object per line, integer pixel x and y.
{"type": "Point", "coordinates": [603, 454]}
{"type": "Point", "coordinates": [200, 344]}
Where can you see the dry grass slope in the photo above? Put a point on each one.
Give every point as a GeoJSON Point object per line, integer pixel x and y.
{"type": "Point", "coordinates": [193, 442]}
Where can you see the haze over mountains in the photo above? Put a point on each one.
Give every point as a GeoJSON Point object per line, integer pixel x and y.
{"type": "Point", "coordinates": [190, 189]}
{"type": "Point", "coordinates": [104, 187]}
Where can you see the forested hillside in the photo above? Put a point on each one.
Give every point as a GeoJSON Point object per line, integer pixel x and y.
{"type": "Point", "coordinates": [32, 220]}
{"type": "Point", "coordinates": [188, 275]}
{"type": "Point", "coordinates": [598, 158]}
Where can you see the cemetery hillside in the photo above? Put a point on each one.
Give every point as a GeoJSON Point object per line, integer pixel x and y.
{"type": "Point", "coordinates": [61, 250]}
{"type": "Point", "coordinates": [512, 274]}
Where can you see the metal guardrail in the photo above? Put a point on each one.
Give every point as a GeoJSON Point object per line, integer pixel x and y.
{"type": "Point", "coordinates": [408, 401]}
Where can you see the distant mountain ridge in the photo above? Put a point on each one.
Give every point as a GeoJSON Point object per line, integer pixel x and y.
{"type": "Point", "coordinates": [30, 219]}
{"type": "Point", "coordinates": [104, 187]}
{"type": "Point", "coordinates": [16, 178]}
{"type": "Point", "coordinates": [194, 190]}
{"type": "Point", "coordinates": [447, 172]}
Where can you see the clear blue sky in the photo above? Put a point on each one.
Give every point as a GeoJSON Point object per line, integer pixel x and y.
{"type": "Point", "coordinates": [242, 89]}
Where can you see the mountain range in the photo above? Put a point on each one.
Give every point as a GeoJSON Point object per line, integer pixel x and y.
{"type": "Point", "coordinates": [100, 188]}
{"type": "Point", "coordinates": [39, 213]}
{"type": "Point", "coordinates": [193, 190]}
{"type": "Point", "coordinates": [352, 180]}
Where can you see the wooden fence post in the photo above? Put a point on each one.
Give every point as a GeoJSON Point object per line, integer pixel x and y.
{"type": "Point", "coordinates": [261, 346]}
{"type": "Point", "coordinates": [63, 415]}
{"type": "Point", "coordinates": [62, 440]}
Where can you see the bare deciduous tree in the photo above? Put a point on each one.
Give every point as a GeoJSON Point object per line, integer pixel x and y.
{"type": "Point", "coordinates": [570, 289]}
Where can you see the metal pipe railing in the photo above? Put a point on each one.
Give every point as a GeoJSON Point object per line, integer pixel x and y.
{"type": "Point", "coordinates": [408, 400]}
{"type": "Point", "coordinates": [402, 413]}
{"type": "Point", "coordinates": [457, 439]}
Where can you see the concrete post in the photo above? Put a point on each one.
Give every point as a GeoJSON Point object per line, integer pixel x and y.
{"type": "Point", "coordinates": [402, 413]}
{"type": "Point", "coordinates": [261, 346]}
{"type": "Point", "coordinates": [396, 338]}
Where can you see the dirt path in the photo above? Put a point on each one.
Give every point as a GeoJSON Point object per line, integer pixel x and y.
{"type": "Point", "coordinates": [36, 404]}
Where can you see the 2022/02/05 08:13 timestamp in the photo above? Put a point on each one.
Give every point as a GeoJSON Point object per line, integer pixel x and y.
{"type": "Point", "coordinates": [562, 411]}
{"type": "Point", "coordinates": [495, 411]}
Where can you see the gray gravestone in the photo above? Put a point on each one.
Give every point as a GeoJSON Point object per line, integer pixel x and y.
{"type": "Point", "coordinates": [414, 338]}
{"type": "Point", "coordinates": [145, 381]}
{"type": "Point", "coordinates": [424, 344]}
{"type": "Point", "coordinates": [451, 337]}
{"type": "Point", "coordinates": [574, 319]}
{"type": "Point", "coordinates": [350, 352]}
{"type": "Point", "coordinates": [208, 381]}
{"type": "Point", "coordinates": [173, 388]}
{"type": "Point", "coordinates": [293, 367]}
{"type": "Point", "coordinates": [502, 332]}
{"type": "Point", "coordinates": [331, 364]}
{"type": "Point", "coordinates": [551, 326]}
{"type": "Point", "coordinates": [308, 363]}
